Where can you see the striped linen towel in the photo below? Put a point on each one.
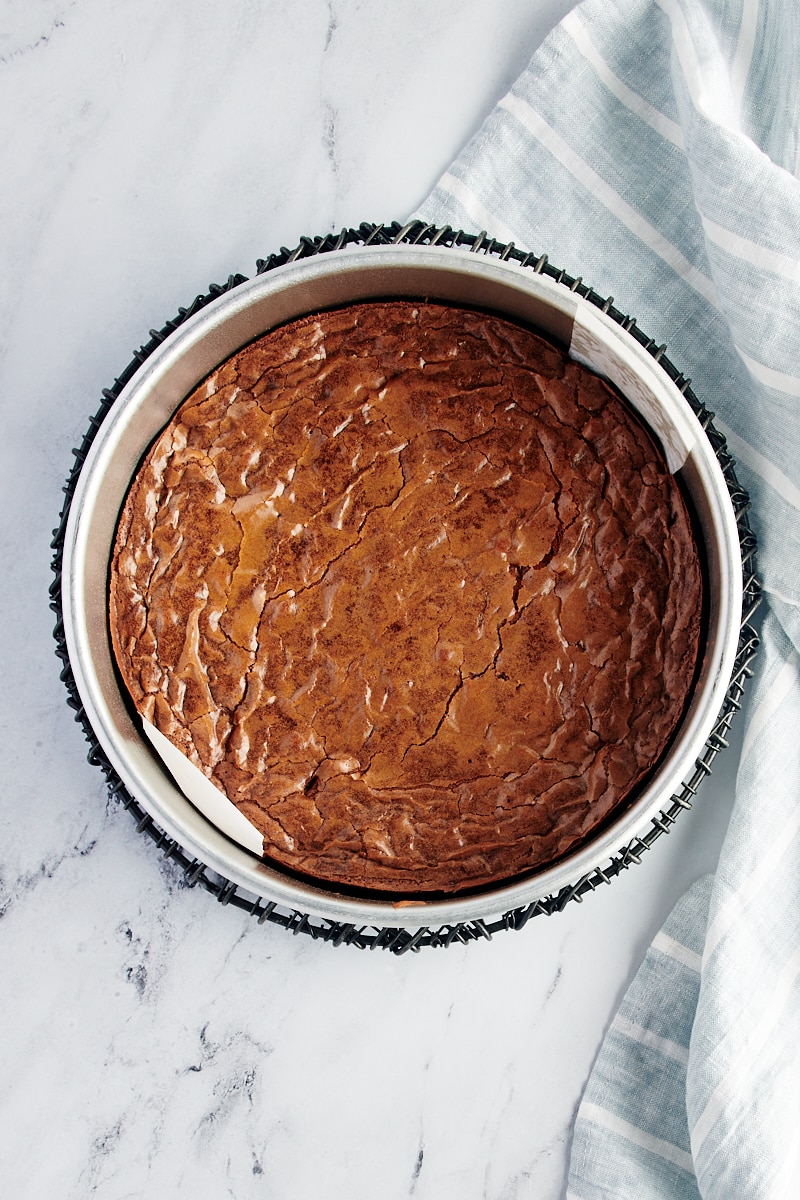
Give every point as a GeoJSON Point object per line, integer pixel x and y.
{"type": "Point", "coordinates": [653, 146]}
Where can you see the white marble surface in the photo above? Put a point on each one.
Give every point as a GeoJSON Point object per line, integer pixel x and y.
{"type": "Point", "coordinates": [154, 1043]}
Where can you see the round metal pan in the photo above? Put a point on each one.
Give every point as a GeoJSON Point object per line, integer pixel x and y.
{"type": "Point", "coordinates": [306, 286]}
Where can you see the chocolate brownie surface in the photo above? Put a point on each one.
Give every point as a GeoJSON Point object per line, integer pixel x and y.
{"type": "Point", "coordinates": [416, 591]}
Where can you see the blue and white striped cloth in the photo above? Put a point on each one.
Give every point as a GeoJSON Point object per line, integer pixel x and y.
{"type": "Point", "coordinates": [653, 146]}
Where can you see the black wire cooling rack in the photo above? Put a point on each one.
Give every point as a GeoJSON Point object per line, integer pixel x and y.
{"type": "Point", "coordinates": [416, 233]}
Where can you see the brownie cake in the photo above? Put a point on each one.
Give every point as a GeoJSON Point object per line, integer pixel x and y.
{"type": "Point", "coordinates": [414, 590]}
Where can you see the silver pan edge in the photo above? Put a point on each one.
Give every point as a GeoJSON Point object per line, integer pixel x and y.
{"type": "Point", "coordinates": [147, 403]}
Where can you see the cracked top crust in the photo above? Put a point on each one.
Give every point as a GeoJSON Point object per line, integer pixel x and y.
{"type": "Point", "coordinates": [417, 592]}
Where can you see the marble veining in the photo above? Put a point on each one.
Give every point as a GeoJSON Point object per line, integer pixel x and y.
{"type": "Point", "coordinates": [155, 1043]}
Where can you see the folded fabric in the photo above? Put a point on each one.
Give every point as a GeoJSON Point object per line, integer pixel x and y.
{"type": "Point", "coordinates": [653, 147]}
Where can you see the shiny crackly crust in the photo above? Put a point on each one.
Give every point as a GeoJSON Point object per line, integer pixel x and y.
{"type": "Point", "coordinates": [417, 592]}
